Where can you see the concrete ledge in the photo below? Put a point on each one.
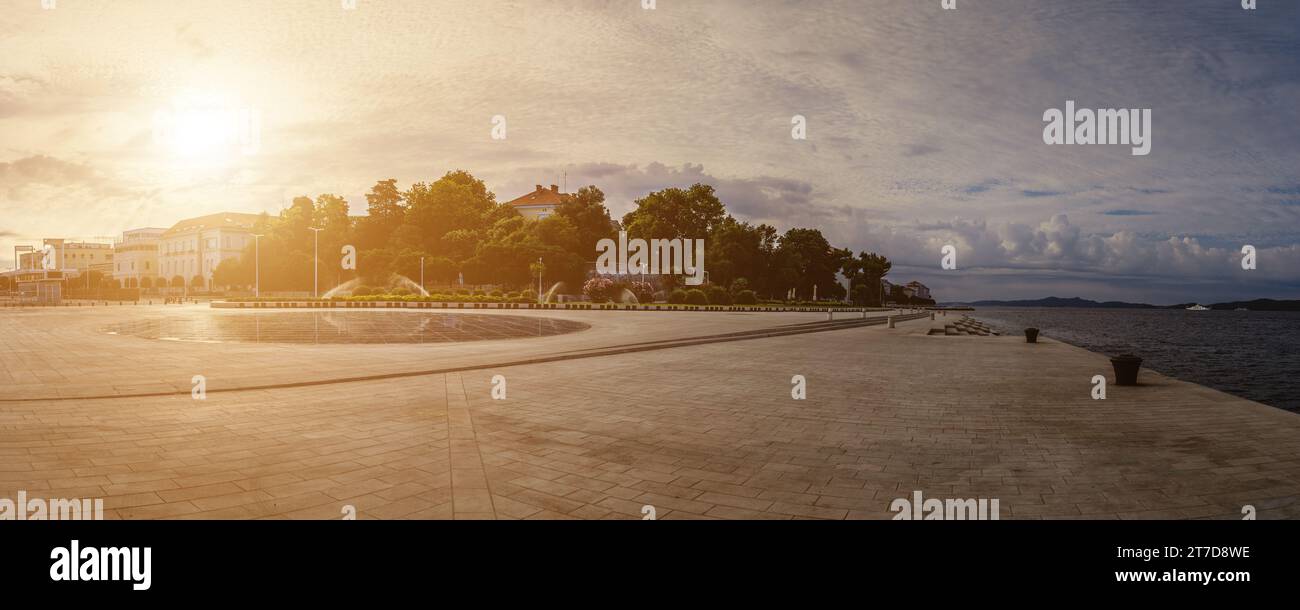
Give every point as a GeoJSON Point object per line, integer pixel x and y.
{"type": "Point", "coordinates": [536, 306]}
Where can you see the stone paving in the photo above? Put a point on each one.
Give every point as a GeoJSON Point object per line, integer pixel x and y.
{"type": "Point", "coordinates": [706, 431]}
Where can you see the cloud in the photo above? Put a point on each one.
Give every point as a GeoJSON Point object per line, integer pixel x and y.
{"type": "Point", "coordinates": [774, 200]}
{"type": "Point", "coordinates": [912, 144]}
{"type": "Point", "coordinates": [1129, 213]}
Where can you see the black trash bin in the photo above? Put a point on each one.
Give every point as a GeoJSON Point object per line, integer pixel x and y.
{"type": "Point", "coordinates": [1031, 335]}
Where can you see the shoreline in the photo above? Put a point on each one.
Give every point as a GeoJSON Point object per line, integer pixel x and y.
{"type": "Point", "coordinates": [1156, 354]}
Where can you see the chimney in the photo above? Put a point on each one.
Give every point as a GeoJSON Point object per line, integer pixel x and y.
{"type": "Point", "coordinates": [539, 188]}
{"type": "Point", "coordinates": [555, 188]}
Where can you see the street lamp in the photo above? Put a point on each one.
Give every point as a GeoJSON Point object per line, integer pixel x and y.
{"type": "Point", "coordinates": [257, 267]}
{"type": "Point", "coordinates": [540, 270]}
{"type": "Point", "coordinates": [422, 275]}
{"type": "Point", "coordinates": [315, 273]}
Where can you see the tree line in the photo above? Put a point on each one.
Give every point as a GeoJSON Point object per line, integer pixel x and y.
{"type": "Point", "coordinates": [456, 224]}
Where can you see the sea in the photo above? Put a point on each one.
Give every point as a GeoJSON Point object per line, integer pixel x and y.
{"type": "Point", "coordinates": [1252, 354]}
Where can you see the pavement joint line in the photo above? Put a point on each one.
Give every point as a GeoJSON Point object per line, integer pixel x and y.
{"type": "Point", "coordinates": [562, 356]}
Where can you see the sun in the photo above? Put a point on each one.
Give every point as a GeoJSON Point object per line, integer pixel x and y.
{"type": "Point", "coordinates": [206, 129]}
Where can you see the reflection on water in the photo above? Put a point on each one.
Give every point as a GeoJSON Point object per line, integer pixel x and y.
{"type": "Point", "coordinates": [341, 327]}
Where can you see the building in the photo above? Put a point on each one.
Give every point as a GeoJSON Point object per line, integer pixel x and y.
{"type": "Point", "coordinates": [39, 287]}
{"type": "Point", "coordinates": [30, 258]}
{"type": "Point", "coordinates": [135, 258]}
{"type": "Point", "coordinates": [190, 251]}
{"type": "Point", "coordinates": [540, 203]}
{"type": "Point", "coordinates": [916, 290]}
{"type": "Point", "coordinates": [71, 255]}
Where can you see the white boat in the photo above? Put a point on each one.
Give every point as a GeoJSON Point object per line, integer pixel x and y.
{"type": "Point", "coordinates": [1198, 307]}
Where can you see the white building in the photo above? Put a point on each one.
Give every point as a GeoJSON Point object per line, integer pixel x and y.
{"type": "Point", "coordinates": [135, 258]}
{"type": "Point", "coordinates": [539, 204]}
{"type": "Point", "coordinates": [189, 252]}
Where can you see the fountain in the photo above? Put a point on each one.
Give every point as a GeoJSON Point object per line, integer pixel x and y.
{"type": "Point", "coordinates": [627, 297]}
{"type": "Point", "coordinates": [343, 290]}
{"type": "Point", "coordinates": [393, 282]}
{"type": "Point", "coordinates": [549, 297]}
{"type": "Point", "coordinates": [401, 281]}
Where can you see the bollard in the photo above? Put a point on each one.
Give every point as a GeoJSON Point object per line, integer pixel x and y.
{"type": "Point", "coordinates": [830, 315]}
{"type": "Point", "coordinates": [932, 315]}
{"type": "Point", "coordinates": [891, 321]}
{"type": "Point", "coordinates": [1126, 369]}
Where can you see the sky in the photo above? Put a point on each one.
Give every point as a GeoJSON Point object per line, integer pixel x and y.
{"type": "Point", "coordinates": [924, 125]}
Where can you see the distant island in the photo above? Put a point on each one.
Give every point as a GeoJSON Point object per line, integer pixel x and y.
{"type": "Point", "coordinates": [1255, 305]}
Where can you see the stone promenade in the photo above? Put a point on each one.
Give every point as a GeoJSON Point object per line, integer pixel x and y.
{"type": "Point", "coordinates": [705, 431]}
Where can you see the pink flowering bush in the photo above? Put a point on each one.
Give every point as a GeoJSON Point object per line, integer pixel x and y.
{"type": "Point", "coordinates": [599, 290]}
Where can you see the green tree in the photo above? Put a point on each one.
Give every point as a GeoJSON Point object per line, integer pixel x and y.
{"type": "Point", "coordinates": [456, 201]}
{"type": "Point", "coordinates": [867, 270]}
{"type": "Point", "coordinates": [586, 211]}
{"type": "Point", "coordinates": [737, 250]}
{"type": "Point", "coordinates": [805, 259]}
{"type": "Point", "coordinates": [385, 212]}
{"type": "Point", "coordinates": [675, 213]}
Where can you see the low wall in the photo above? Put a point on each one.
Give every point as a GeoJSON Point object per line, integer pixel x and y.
{"type": "Point", "coordinates": [552, 306]}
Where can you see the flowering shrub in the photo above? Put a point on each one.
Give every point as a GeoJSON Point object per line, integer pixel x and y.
{"type": "Point", "coordinates": [643, 291]}
{"type": "Point", "coordinates": [599, 289]}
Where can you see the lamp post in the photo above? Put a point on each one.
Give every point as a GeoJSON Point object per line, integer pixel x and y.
{"type": "Point", "coordinates": [422, 275]}
{"type": "Point", "coordinates": [540, 270]}
{"type": "Point", "coordinates": [257, 266]}
{"type": "Point", "coordinates": [315, 265]}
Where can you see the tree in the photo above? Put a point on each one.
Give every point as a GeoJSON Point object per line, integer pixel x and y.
{"type": "Point", "coordinates": [515, 243]}
{"type": "Point", "coordinates": [458, 200]}
{"type": "Point", "coordinates": [585, 210]}
{"type": "Point", "coordinates": [331, 215]}
{"type": "Point", "coordinates": [738, 250]}
{"type": "Point", "coordinates": [675, 213]}
{"type": "Point", "coordinates": [867, 270]}
{"type": "Point", "coordinates": [440, 270]}
{"type": "Point", "coordinates": [805, 259]}
{"type": "Point", "coordinates": [385, 212]}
